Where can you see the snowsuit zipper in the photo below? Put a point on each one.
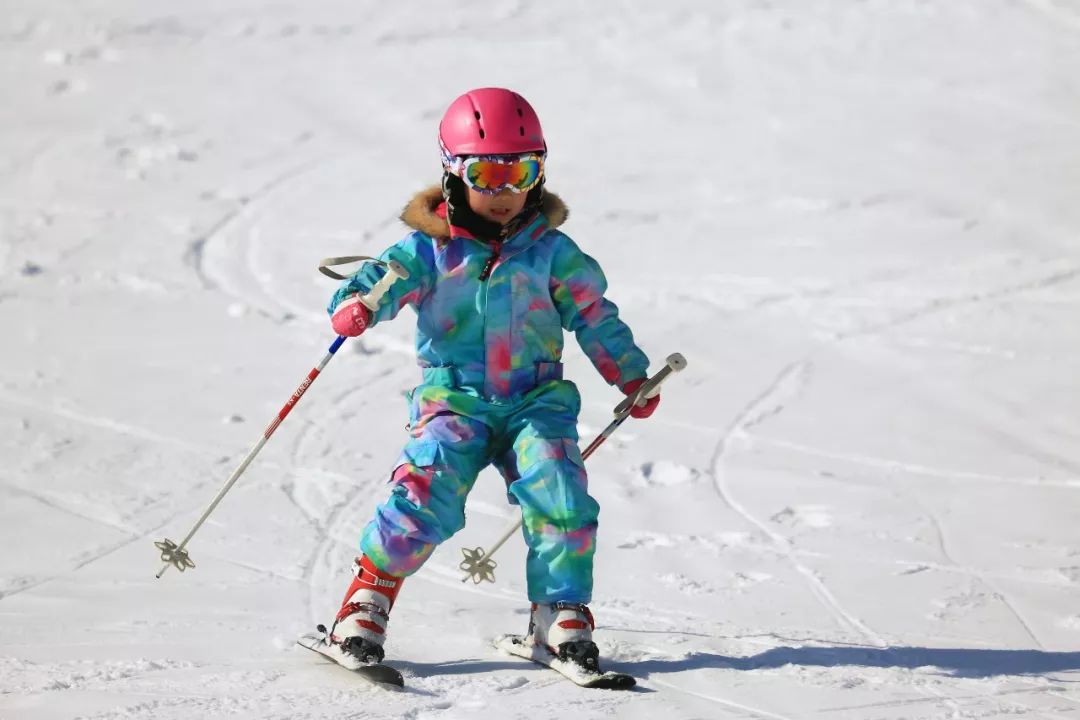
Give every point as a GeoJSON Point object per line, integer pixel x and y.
{"type": "Point", "coordinates": [490, 264]}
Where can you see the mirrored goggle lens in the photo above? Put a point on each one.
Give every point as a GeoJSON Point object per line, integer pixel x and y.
{"type": "Point", "coordinates": [520, 175]}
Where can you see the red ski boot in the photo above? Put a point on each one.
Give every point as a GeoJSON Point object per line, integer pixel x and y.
{"type": "Point", "coordinates": [360, 625]}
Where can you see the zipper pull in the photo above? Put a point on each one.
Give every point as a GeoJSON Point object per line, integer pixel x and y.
{"type": "Point", "coordinates": [490, 264]}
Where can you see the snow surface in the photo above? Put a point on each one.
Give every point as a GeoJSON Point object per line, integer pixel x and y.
{"type": "Point", "coordinates": [857, 220]}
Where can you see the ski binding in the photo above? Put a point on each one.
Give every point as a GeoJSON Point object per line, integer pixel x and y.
{"type": "Point", "coordinates": [519, 646]}
{"type": "Point", "coordinates": [379, 674]}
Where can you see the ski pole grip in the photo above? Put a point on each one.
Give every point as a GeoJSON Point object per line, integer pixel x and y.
{"type": "Point", "coordinates": [651, 387]}
{"type": "Point", "coordinates": [394, 271]}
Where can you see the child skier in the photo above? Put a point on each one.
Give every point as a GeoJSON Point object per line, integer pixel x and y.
{"type": "Point", "coordinates": [494, 284]}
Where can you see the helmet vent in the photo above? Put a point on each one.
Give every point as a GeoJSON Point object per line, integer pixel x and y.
{"type": "Point", "coordinates": [488, 121]}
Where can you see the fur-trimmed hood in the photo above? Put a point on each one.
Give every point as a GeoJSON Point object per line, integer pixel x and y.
{"type": "Point", "coordinates": [420, 214]}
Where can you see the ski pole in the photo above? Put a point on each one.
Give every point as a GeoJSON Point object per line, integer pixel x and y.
{"type": "Point", "coordinates": [478, 564]}
{"type": "Point", "coordinates": [177, 556]}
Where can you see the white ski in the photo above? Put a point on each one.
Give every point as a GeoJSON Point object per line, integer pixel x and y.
{"type": "Point", "coordinates": [517, 645]}
{"type": "Point", "coordinates": [378, 674]}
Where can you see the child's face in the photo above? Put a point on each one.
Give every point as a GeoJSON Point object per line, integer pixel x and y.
{"type": "Point", "coordinates": [501, 207]}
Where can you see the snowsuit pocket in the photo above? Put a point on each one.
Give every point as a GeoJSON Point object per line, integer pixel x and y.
{"type": "Point", "coordinates": [420, 454]}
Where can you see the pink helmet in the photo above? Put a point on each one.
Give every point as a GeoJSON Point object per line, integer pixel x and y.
{"type": "Point", "coordinates": [490, 121]}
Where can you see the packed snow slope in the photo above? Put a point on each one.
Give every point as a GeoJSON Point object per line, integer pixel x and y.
{"type": "Point", "coordinates": [857, 220]}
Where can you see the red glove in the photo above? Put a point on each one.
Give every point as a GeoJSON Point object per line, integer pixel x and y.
{"type": "Point", "coordinates": [351, 317]}
{"type": "Point", "coordinates": [640, 411]}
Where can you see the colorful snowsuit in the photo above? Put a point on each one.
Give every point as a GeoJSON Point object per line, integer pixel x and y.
{"type": "Point", "coordinates": [492, 392]}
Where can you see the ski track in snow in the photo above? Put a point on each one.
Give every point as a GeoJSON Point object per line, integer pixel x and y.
{"type": "Point", "coordinates": [789, 383]}
{"type": "Point", "coordinates": [102, 422]}
{"type": "Point", "coordinates": [743, 710]}
{"type": "Point", "coordinates": [909, 702]}
{"type": "Point", "coordinates": [943, 548]}
{"type": "Point", "coordinates": [770, 402]}
{"type": "Point", "coordinates": [92, 557]}
{"type": "Point", "coordinates": [911, 468]}
{"type": "Point", "coordinates": [198, 490]}
{"type": "Point", "coordinates": [947, 304]}
{"type": "Point", "coordinates": [47, 502]}
{"type": "Point", "coordinates": [327, 529]}
{"type": "Point", "coordinates": [767, 403]}
{"type": "Point", "coordinates": [195, 255]}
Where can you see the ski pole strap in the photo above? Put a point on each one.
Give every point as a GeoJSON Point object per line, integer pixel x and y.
{"type": "Point", "coordinates": [331, 262]}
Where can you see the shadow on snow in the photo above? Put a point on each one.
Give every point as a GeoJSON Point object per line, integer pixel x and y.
{"type": "Point", "coordinates": [956, 662]}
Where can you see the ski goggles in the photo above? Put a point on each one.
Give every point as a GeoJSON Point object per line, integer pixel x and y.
{"type": "Point", "coordinates": [490, 174]}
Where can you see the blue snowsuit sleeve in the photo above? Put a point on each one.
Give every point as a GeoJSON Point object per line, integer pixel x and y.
{"type": "Point", "coordinates": [416, 254]}
{"type": "Point", "coordinates": [577, 288]}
